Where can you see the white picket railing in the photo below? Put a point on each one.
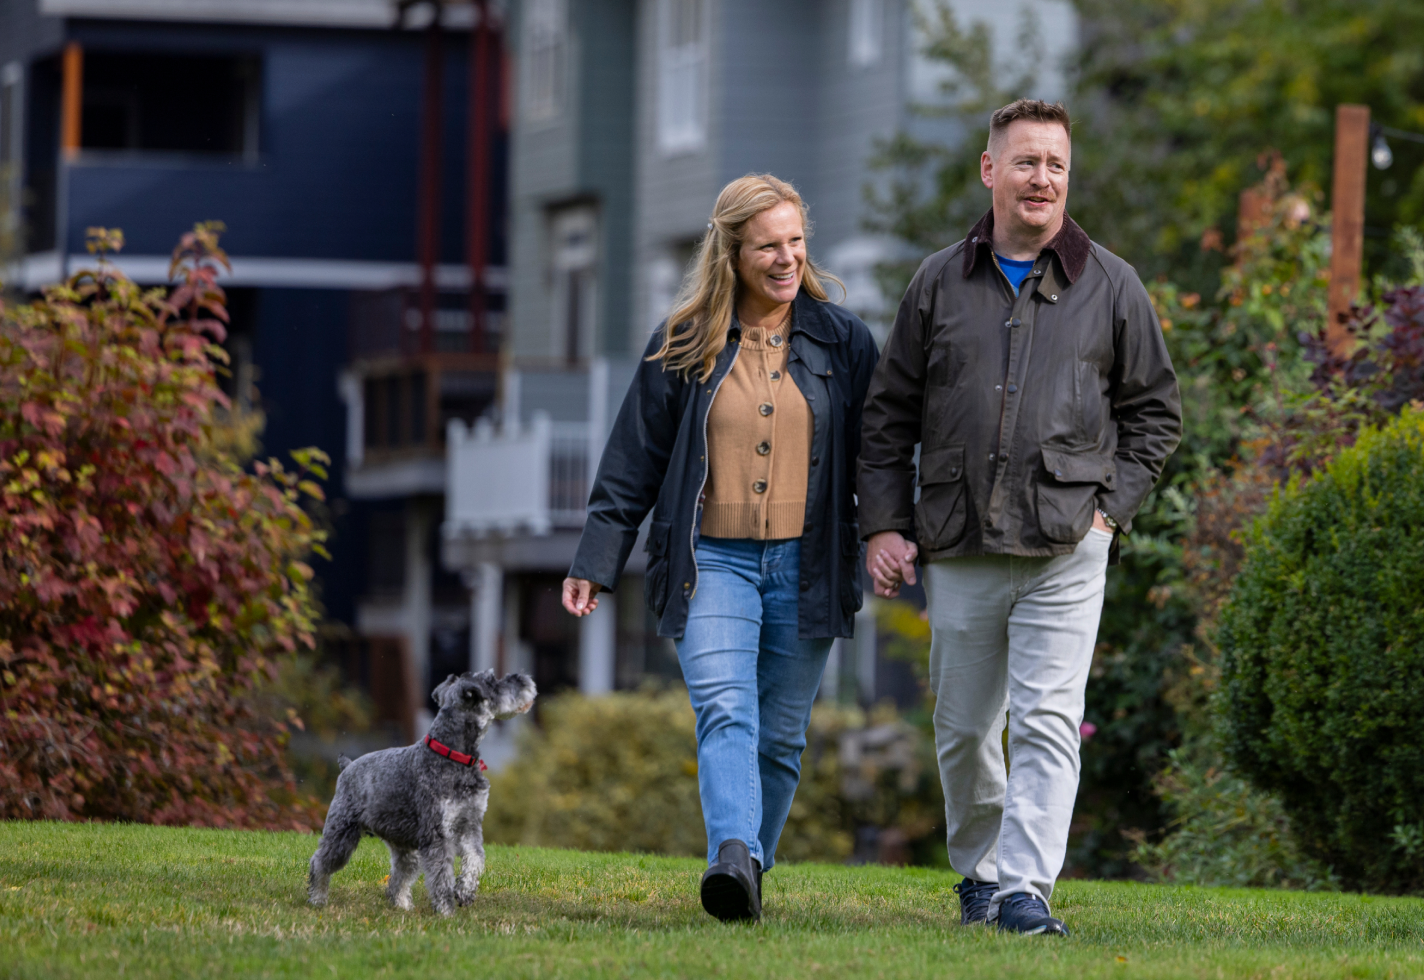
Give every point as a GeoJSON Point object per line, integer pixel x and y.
{"type": "Point", "coordinates": [519, 478]}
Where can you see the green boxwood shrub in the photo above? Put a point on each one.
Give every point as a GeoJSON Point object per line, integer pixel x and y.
{"type": "Point", "coordinates": [1322, 647]}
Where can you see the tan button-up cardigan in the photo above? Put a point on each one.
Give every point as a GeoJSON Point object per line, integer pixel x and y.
{"type": "Point", "coordinates": [758, 446]}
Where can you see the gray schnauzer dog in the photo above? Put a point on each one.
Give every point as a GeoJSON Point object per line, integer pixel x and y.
{"type": "Point", "coordinates": [427, 800]}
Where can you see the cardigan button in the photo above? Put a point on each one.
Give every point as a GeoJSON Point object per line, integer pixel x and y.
{"type": "Point", "coordinates": [776, 376]}
{"type": "Point", "coordinates": [766, 408]}
{"type": "Point", "coordinates": [775, 340]}
{"type": "Point", "coordinates": [763, 448]}
{"type": "Point", "coordinates": [759, 486]}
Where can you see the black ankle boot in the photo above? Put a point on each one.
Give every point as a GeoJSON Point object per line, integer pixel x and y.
{"type": "Point", "coordinates": [731, 887]}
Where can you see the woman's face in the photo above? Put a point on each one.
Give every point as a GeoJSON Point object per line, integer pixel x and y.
{"type": "Point", "coordinates": [773, 255]}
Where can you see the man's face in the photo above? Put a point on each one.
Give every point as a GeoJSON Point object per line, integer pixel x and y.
{"type": "Point", "coordinates": [1028, 173]}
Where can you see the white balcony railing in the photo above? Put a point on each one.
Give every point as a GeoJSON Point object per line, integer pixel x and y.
{"type": "Point", "coordinates": [517, 479]}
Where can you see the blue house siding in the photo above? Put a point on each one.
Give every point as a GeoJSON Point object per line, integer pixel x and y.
{"type": "Point", "coordinates": [336, 174]}
{"type": "Point", "coordinates": [299, 345]}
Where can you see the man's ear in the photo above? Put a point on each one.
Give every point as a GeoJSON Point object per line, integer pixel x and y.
{"type": "Point", "coordinates": [514, 695]}
{"type": "Point", "coordinates": [438, 695]}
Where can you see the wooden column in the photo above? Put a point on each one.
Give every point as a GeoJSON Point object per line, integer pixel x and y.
{"type": "Point", "coordinates": [1347, 201]}
{"type": "Point", "coordinates": [72, 101]}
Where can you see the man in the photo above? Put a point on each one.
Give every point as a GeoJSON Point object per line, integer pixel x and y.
{"type": "Point", "coordinates": [1028, 365]}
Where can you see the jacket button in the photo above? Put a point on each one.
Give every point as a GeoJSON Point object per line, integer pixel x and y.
{"type": "Point", "coordinates": [1013, 388]}
{"type": "Point", "coordinates": [810, 397]}
{"type": "Point", "coordinates": [759, 486]}
{"type": "Point", "coordinates": [766, 408]}
{"type": "Point", "coordinates": [1108, 478]}
{"type": "Point", "coordinates": [805, 585]}
{"type": "Point", "coordinates": [988, 522]}
{"type": "Point", "coordinates": [1054, 297]}
{"type": "Point", "coordinates": [763, 448]}
{"type": "Point", "coordinates": [815, 461]}
{"type": "Point", "coordinates": [1058, 473]}
{"type": "Point", "coordinates": [1015, 322]}
{"type": "Point", "coordinates": [687, 585]}
{"type": "Point", "coordinates": [806, 529]}
{"type": "Point", "coordinates": [991, 457]}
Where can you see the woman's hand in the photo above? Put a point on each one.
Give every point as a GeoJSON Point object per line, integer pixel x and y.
{"type": "Point", "coordinates": [890, 560]}
{"type": "Point", "coordinates": [580, 596]}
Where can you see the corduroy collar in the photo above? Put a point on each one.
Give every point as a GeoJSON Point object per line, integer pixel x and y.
{"type": "Point", "coordinates": [1071, 245]}
{"type": "Point", "coordinates": [808, 316]}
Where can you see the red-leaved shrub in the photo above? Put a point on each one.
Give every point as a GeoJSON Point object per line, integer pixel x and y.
{"type": "Point", "coordinates": [147, 580]}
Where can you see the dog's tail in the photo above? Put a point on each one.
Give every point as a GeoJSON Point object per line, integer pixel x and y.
{"type": "Point", "coordinates": [342, 761]}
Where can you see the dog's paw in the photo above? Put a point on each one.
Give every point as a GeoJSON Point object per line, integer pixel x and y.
{"type": "Point", "coordinates": [403, 902]}
{"type": "Point", "coordinates": [465, 894]}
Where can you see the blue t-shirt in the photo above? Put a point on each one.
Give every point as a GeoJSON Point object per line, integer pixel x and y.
{"type": "Point", "coordinates": [1015, 270]}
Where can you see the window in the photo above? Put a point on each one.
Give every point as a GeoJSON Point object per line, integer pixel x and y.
{"type": "Point", "coordinates": [682, 75]}
{"type": "Point", "coordinates": [11, 99]}
{"type": "Point", "coordinates": [575, 251]}
{"type": "Point", "coordinates": [170, 103]}
{"type": "Point", "coordinates": [544, 32]}
{"type": "Point", "coordinates": [867, 21]}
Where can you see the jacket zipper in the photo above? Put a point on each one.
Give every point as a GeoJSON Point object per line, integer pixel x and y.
{"type": "Point", "coordinates": [706, 467]}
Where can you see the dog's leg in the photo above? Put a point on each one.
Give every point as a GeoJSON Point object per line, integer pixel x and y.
{"type": "Point", "coordinates": [405, 868]}
{"type": "Point", "coordinates": [338, 841]}
{"type": "Point", "coordinates": [472, 866]}
{"type": "Point", "coordinates": [436, 861]}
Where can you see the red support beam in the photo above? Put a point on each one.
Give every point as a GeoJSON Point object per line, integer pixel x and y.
{"type": "Point", "coordinates": [428, 232]}
{"type": "Point", "coordinates": [484, 83]}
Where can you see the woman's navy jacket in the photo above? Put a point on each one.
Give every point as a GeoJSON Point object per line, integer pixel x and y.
{"type": "Point", "coordinates": [656, 458]}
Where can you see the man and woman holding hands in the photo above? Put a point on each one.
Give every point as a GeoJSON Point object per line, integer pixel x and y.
{"type": "Point", "coordinates": [1025, 392]}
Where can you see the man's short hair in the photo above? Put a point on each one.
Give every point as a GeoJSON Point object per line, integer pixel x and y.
{"type": "Point", "coordinates": [1034, 110]}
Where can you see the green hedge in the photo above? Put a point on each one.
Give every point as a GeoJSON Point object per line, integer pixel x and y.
{"type": "Point", "coordinates": [618, 772]}
{"type": "Point", "coordinates": [1323, 660]}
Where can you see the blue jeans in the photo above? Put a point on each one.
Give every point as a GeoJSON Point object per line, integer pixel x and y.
{"type": "Point", "coordinates": [752, 683]}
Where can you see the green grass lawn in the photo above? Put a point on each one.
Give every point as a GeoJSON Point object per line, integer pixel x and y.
{"type": "Point", "coordinates": [94, 900]}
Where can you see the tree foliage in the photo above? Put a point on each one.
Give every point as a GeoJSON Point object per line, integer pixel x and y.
{"type": "Point", "coordinates": [147, 580]}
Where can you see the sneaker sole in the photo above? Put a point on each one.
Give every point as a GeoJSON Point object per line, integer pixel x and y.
{"type": "Point", "coordinates": [724, 898]}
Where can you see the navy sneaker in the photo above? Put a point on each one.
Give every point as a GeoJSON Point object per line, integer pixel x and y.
{"type": "Point", "coordinates": [731, 887]}
{"type": "Point", "coordinates": [974, 900]}
{"type": "Point", "coordinates": [1028, 915]}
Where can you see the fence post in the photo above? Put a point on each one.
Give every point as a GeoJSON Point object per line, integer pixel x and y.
{"type": "Point", "coordinates": [1347, 201]}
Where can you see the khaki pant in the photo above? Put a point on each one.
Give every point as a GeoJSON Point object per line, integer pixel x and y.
{"type": "Point", "coordinates": [1012, 635]}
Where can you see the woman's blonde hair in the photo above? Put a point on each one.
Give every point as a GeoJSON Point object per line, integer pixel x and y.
{"type": "Point", "coordinates": [697, 327]}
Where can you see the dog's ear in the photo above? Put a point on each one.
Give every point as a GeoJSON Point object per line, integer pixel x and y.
{"type": "Point", "coordinates": [514, 695]}
{"type": "Point", "coordinates": [438, 695]}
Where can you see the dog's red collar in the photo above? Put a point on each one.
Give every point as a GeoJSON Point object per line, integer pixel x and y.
{"type": "Point", "coordinates": [453, 756]}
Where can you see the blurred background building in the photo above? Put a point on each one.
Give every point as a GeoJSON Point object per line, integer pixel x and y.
{"type": "Point", "coordinates": [453, 228]}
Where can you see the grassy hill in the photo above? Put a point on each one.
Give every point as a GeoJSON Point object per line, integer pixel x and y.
{"type": "Point", "coordinates": [105, 900]}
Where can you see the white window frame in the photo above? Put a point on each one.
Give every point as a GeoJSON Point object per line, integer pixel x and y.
{"type": "Point", "coordinates": [683, 68]}
{"type": "Point", "coordinates": [12, 85]}
{"type": "Point", "coordinates": [865, 30]}
{"type": "Point", "coordinates": [545, 32]}
{"type": "Point", "coordinates": [573, 255]}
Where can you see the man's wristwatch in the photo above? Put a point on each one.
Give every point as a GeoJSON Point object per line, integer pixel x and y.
{"type": "Point", "coordinates": [1112, 524]}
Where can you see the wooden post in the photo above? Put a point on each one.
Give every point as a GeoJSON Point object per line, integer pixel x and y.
{"type": "Point", "coordinates": [1347, 201]}
{"type": "Point", "coordinates": [72, 101]}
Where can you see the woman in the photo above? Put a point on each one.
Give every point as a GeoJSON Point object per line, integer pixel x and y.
{"type": "Point", "coordinates": [741, 432]}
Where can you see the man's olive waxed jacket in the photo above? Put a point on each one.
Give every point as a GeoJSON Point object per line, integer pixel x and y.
{"type": "Point", "coordinates": [1030, 410]}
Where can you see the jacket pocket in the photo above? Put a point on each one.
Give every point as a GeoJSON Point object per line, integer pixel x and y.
{"type": "Point", "coordinates": [655, 579]}
{"type": "Point", "coordinates": [1067, 492]}
{"type": "Point", "coordinates": [941, 511]}
{"type": "Point", "coordinates": [850, 594]}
